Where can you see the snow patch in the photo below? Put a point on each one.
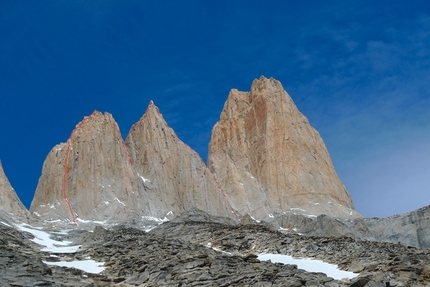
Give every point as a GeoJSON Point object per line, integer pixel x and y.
{"type": "Point", "coordinates": [270, 215]}
{"type": "Point", "coordinates": [44, 238]}
{"type": "Point", "coordinates": [53, 221]}
{"type": "Point", "coordinates": [209, 245]}
{"type": "Point", "coordinates": [311, 265]}
{"type": "Point", "coordinates": [4, 223]}
{"type": "Point", "coordinates": [116, 198]}
{"type": "Point", "coordinates": [258, 221]}
{"type": "Point", "coordinates": [89, 266]}
{"type": "Point", "coordinates": [295, 208]}
{"type": "Point", "coordinates": [90, 221]}
{"type": "Point", "coordinates": [170, 213]}
{"type": "Point", "coordinates": [159, 220]}
{"type": "Point", "coordinates": [143, 179]}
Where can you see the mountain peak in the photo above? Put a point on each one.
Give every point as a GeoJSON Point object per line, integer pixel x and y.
{"type": "Point", "coordinates": [89, 173]}
{"type": "Point", "coordinates": [270, 160]}
{"type": "Point", "coordinates": [173, 174]}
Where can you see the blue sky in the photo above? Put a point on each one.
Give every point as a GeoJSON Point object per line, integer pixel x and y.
{"type": "Point", "coordinates": [359, 70]}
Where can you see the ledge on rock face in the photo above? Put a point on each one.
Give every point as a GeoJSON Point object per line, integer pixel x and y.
{"type": "Point", "coordinates": [270, 160]}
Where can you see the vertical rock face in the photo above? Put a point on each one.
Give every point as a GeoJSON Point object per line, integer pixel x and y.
{"type": "Point", "coordinates": [9, 201]}
{"type": "Point", "coordinates": [89, 177]}
{"type": "Point", "coordinates": [174, 176]}
{"type": "Point", "coordinates": [270, 160]}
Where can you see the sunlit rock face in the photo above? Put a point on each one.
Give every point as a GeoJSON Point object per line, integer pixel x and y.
{"type": "Point", "coordinates": [264, 160]}
{"type": "Point", "coordinates": [174, 176]}
{"type": "Point", "coordinates": [270, 160]}
{"type": "Point", "coordinates": [9, 201]}
{"type": "Point", "coordinates": [90, 177]}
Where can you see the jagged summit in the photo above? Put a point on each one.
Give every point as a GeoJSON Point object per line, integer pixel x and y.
{"type": "Point", "coordinates": [264, 157]}
{"type": "Point", "coordinates": [97, 176]}
{"type": "Point", "coordinates": [270, 160]}
{"type": "Point", "coordinates": [89, 177]}
{"type": "Point", "coordinates": [9, 201]}
{"type": "Point", "coordinates": [176, 175]}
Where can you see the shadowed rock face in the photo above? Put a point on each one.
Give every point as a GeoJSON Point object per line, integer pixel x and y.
{"type": "Point", "coordinates": [411, 228]}
{"type": "Point", "coordinates": [270, 160]}
{"type": "Point", "coordinates": [175, 177]}
{"type": "Point", "coordinates": [92, 171]}
{"type": "Point", "coordinates": [9, 201]}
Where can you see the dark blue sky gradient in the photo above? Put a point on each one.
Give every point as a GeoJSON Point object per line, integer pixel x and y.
{"type": "Point", "coordinates": [359, 70]}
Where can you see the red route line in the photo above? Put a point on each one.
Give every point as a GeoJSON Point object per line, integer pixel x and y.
{"type": "Point", "coordinates": [66, 166]}
{"type": "Point", "coordinates": [216, 182]}
{"type": "Point", "coordinates": [133, 128]}
{"type": "Point", "coordinates": [66, 169]}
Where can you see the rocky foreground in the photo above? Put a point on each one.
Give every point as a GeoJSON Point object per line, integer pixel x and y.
{"type": "Point", "coordinates": [197, 253]}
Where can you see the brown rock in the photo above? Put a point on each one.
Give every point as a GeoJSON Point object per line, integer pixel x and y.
{"type": "Point", "coordinates": [9, 201]}
{"type": "Point", "coordinates": [270, 160]}
{"type": "Point", "coordinates": [174, 175]}
{"type": "Point", "coordinates": [89, 177]}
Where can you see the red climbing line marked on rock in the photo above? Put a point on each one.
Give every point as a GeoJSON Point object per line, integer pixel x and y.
{"type": "Point", "coordinates": [66, 166]}
{"type": "Point", "coordinates": [66, 171]}
{"type": "Point", "coordinates": [224, 195]}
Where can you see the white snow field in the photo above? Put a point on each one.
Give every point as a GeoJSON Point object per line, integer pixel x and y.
{"type": "Point", "coordinates": [89, 266]}
{"type": "Point", "coordinates": [43, 238]}
{"type": "Point", "coordinates": [311, 265]}
{"type": "Point", "coordinates": [54, 246]}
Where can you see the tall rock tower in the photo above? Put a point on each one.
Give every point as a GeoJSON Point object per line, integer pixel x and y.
{"type": "Point", "coordinates": [9, 201]}
{"type": "Point", "coordinates": [175, 177]}
{"type": "Point", "coordinates": [270, 160]}
{"type": "Point", "coordinates": [90, 177]}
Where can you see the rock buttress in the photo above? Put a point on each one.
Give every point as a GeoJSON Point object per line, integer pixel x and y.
{"type": "Point", "coordinates": [270, 160]}
{"type": "Point", "coordinates": [89, 177]}
{"type": "Point", "coordinates": [175, 177]}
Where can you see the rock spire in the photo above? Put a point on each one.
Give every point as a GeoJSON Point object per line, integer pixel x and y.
{"type": "Point", "coordinates": [174, 175]}
{"type": "Point", "coordinates": [9, 201]}
{"type": "Point", "coordinates": [90, 177]}
{"type": "Point", "coordinates": [270, 160]}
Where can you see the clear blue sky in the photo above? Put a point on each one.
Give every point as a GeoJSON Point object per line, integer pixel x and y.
{"type": "Point", "coordinates": [359, 70]}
